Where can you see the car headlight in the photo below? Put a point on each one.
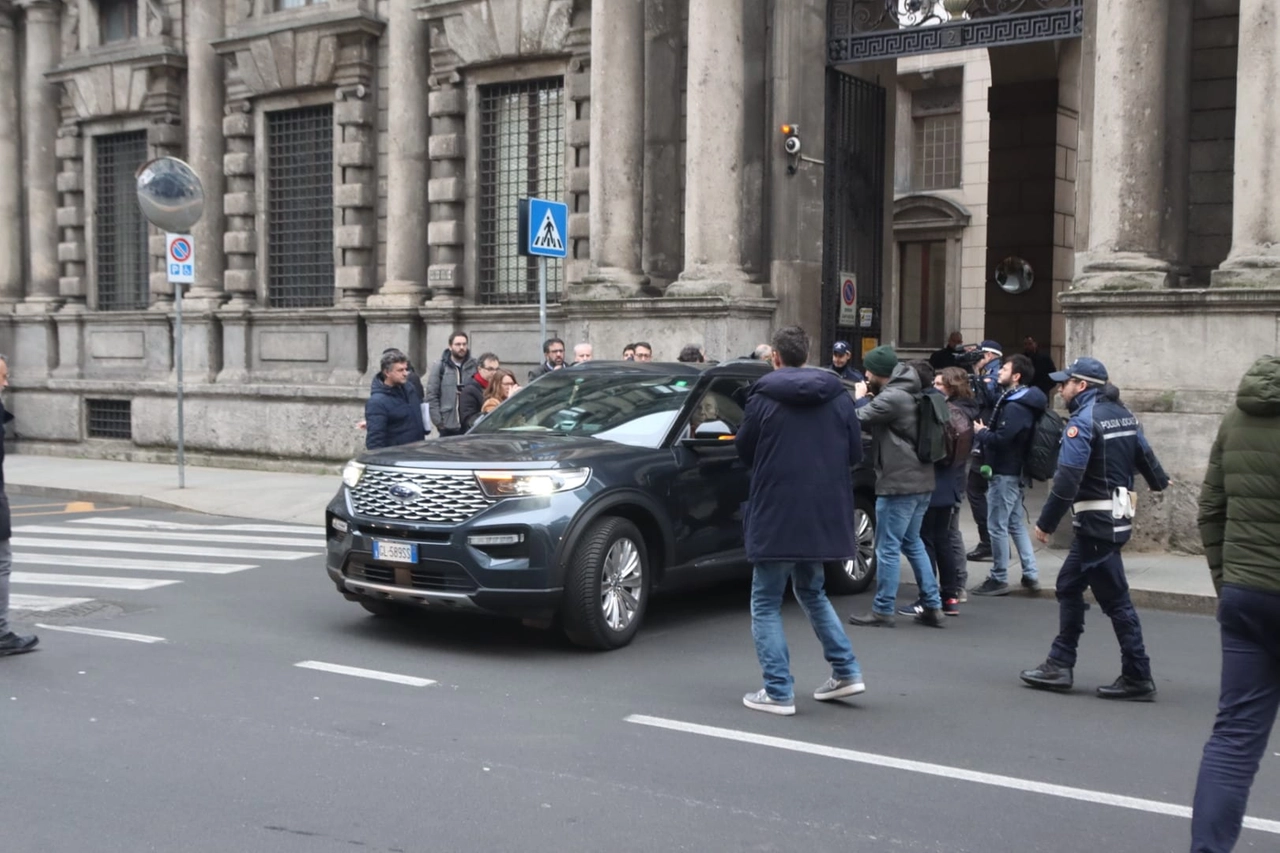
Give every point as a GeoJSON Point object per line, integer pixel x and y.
{"type": "Point", "coordinates": [514, 484]}
{"type": "Point", "coordinates": [352, 473]}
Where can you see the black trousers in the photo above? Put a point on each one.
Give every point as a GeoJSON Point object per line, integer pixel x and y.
{"type": "Point", "coordinates": [975, 490]}
{"type": "Point", "coordinates": [1096, 565]}
{"type": "Point", "coordinates": [1250, 624]}
{"type": "Point", "coordinates": [935, 532]}
{"type": "Point", "coordinates": [957, 547]}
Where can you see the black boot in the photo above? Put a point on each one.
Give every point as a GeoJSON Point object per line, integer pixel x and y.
{"type": "Point", "coordinates": [981, 553]}
{"type": "Point", "coordinates": [16, 644]}
{"type": "Point", "coordinates": [933, 617]}
{"type": "Point", "coordinates": [1050, 675]}
{"type": "Point", "coordinates": [1130, 689]}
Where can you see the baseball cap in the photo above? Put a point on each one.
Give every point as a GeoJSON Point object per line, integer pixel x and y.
{"type": "Point", "coordinates": [993, 347]}
{"type": "Point", "coordinates": [841, 348]}
{"type": "Point", "coordinates": [1088, 369]}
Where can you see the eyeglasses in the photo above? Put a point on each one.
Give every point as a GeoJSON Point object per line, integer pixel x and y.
{"type": "Point", "coordinates": [489, 368]}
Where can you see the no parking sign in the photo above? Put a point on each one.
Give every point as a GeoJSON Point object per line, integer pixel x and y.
{"type": "Point", "coordinates": [848, 299]}
{"type": "Point", "coordinates": [180, 258]}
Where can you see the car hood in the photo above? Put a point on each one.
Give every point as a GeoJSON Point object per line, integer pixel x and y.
{"type": "Point", "coordinates": [530, 452]}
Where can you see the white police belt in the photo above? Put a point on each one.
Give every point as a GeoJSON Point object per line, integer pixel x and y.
{"type": "Point", "coordinates": [1123, 504]}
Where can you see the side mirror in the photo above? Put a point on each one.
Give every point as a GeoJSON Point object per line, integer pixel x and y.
{"type": "Point", "coordinates": [710, 434]}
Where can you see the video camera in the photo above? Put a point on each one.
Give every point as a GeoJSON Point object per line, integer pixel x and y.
{"type": "Point", "coordinates": [967, 356]}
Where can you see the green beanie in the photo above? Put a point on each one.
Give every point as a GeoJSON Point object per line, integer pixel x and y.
{"type": "Point", "coordinates": [881, 361]}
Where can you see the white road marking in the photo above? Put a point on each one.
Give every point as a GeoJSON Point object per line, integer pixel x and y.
{"type": "Point", "coordinates": [338, 668]}
{"type": "Point", "coordinates": [162, 548]}
{"type": "Point", "coordinates": [42, 603]}
{"type": "Point", "coordinates": [98, 632]}
{"type": "Point", "coordinates": [85, 561]}
{"type": "Point", "coordinates": [160, 536]}
{"type": "Point", "coordinates": [95, 581]}
{"type": "Point", "coordinates": [149, 524]}
{"type": "Point", "coordinates": [956, 773]}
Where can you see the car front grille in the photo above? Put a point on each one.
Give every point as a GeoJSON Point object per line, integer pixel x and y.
{"type": "Point", "coordinates": [430, 575]}
{"type": "Point", "coordinates": [435, 497]}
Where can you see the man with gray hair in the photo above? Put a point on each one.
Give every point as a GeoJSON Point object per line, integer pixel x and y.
{"type": "Point", "coordinates": [393, 413]}
{"type": "Point", "coordinates": [10, 643]}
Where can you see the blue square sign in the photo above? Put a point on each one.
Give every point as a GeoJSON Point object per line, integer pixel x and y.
{"type": "Point", "coordinates": [548, 228]}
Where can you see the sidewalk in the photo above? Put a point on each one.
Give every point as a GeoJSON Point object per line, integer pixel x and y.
{"type": "Point", "coordinates": [1166, 581]}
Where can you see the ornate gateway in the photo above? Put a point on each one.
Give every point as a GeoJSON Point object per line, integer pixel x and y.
{"type": "Point", "coordinates": [860, 30]}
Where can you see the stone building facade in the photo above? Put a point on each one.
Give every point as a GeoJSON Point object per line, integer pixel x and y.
{"type": "Point", "coordinates": [362, 159]}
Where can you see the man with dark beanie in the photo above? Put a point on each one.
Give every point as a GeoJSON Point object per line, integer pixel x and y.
{"type": "Point", "coordinates": [904, 485]}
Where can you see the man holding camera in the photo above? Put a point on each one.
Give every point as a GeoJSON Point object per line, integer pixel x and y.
{"type": "Point", "coordinates": [987, 391]}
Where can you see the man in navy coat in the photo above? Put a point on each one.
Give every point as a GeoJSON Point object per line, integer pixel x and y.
{"type": "Point", "coordinates": [800, 436]}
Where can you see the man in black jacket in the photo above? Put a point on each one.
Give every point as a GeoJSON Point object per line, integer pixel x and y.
{"type": "Point", "coordinates": [471, 397]}
{"type": "Point", "coordinates": [393, 413]}
{"type": "Point", "coordinates": [552, 358]}
{"type": "Point", "coordinates": [10, 643]}
{"type": "Point", "coordinates": [1004, 448]}
{"type": "Point", "coordinates": [801, 438]}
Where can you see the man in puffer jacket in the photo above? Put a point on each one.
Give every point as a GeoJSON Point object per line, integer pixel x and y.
{"type": "Point", "coordinates": [904, 485]}
{"type": "Point", "coordinates": [1240, 527]}
{"type": "Point", "coordinates": [393, 413]}
{"type": "Point", "coordinates": [1004, 445]}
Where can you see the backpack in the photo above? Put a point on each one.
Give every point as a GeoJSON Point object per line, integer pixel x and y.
{"type": "Point", "coordinates": [932, 419]}
{"type": "Point", "coordinates": [1042, 449]}
{"type": "Point", "coordinates": [958, 435]}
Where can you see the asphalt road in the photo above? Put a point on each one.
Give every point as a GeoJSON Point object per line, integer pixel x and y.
{"type": "Point", "coordinates": [211, 738]}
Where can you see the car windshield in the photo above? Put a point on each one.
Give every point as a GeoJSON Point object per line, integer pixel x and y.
{"type": "Point", "coordinates": [635, 410]}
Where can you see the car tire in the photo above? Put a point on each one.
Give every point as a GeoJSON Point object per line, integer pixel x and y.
{"type": "Point", "coordinates": [384, 609]}
{"type": "Point", "coordinates": [856, 574]}
{"type": "Point", "coordinates": [607, 586]}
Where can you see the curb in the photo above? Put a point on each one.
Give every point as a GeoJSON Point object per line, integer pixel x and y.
{"type": "Point", "coordinates": [1149, 599]}
{"type": "Point", "coordinates": [59, 493]}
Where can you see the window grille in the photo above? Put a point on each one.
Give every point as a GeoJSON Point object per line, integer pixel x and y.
{"type": "Point", "coordinates": [122, 259]}
{"type": "Point", "coordinates": [522, 155]}
{"type": "Point", "coordinates": [118, 20]}
{"type": "Point", "coordinates": [110, 419]}
{"type": "Point", "coordinates": [937, 152]}
{"type": "Point", "coordinates": [300, 208]}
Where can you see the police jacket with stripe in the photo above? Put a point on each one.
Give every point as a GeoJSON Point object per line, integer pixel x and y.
{"type": "Point", "coordinates": [1102, 448]}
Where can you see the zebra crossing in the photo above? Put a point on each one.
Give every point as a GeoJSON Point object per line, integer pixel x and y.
{"type": "Point", "coordinates": [47, 557]}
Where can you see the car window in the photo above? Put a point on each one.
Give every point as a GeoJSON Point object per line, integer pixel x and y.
{"type": "Point", "coordinates": [720, 406]}
{"type": "Point", "coordinates": [636, 409]}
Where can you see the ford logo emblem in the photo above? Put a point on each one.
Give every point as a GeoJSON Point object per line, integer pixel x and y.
{"type": "Point", "coordinates": [405, 491]}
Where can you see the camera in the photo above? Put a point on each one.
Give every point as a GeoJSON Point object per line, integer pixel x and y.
{"type": "Point", "coordinates": [966, 357]}
{"type": "Point", "coordinates": [791, 145]}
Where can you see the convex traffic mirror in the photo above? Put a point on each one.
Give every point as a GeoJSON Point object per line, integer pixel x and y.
{"type": "Point", "coordinates": [170, 194]}
{"type": "Point", "coordinates": [1014, 275]}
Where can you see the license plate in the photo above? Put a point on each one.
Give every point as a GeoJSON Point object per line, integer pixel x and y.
{"type": "Point", "coordinates": [395, 552]}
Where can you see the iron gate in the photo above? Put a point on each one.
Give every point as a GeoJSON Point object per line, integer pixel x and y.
{"type": "Point", "coordinates": [853, 218]}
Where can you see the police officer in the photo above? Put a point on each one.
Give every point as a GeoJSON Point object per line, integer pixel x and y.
{"type": "Point", "coordinates": [842, 362]}
{"type": "Point", "coordinates": [1102, 448]}
{"type": "Point", "coordinates": [987, 391]}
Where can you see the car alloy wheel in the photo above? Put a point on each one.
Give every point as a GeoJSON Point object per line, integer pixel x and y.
{"type": "Point", "coordinates": [859, 567]}
{"type": "Point", "coordinates": [621, 584]}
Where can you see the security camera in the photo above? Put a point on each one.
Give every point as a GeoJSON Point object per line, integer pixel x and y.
{"type": "Point", "coordinates": [792, 145]}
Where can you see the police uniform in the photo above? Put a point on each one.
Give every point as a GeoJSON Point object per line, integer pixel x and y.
{"type": "Point", "coordinates": [1102, 448]}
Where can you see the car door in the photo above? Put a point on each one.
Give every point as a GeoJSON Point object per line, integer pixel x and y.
{"type": "Point", "coordinates": [711, 482]}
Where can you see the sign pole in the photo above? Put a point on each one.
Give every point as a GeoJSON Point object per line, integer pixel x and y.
{"type": "Point", "coordinates": [542, 298]}
{"type": "Point", "coordinates": [177, 334]}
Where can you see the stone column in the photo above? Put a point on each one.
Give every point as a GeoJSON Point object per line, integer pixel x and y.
{"type": "Point", "coordinates": [40, 112]}
{"type": "Point", "coordinates": [10, 163]}
{"type": "Point", "coordinates": [617, 127]}
{"type": "Point", "coordinates": [1254, 260]}
{"type": "Point", "coordinates": [1127, 203]}
{"type": "Point", "coordinates": [206, 146]}
{"type": "Point", "coordinates": [408, 169]}
{"type": "Point", "coordinates": [714, 157]}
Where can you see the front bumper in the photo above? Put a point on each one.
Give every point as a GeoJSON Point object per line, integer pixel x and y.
{"type": "Point", "coordinates": [520, 581]}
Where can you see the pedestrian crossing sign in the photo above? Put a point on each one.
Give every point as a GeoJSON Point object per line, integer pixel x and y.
{"type": "Point", "coordinates": [544, 228]}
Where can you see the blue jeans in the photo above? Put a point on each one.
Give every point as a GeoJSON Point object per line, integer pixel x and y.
{"type": "Point", "coordinates": [898, 519]}
{"type": "Point", "coordinates": [1247, 704]}
{"type": "Point", "coordinates": [1004, 519]}
{"type": "Point", "coordinates": [1096, 565]}
{"type": "Point", "coordinates": [768, 583]}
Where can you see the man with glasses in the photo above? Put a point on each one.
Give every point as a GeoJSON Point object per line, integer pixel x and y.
{"type": "Point", "coordinates": [471, 398]}
{"type": "Point", "coordinates": [1102, 448]}
{"type": "Point", "coordinates": [552, 358]}
{"type": "Point", "coordinates": [644, 352]}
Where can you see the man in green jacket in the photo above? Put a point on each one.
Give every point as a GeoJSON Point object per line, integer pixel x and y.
{"type": "Point", "coordinates": [1240, 527]}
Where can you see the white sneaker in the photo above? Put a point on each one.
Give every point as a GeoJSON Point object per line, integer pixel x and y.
{"type": "Point", "coordinates": [839, 688]}
{"type": "Point", "coordinates": [760, 701]}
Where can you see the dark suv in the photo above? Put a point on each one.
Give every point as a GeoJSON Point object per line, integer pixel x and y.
{"type": "Point", "coordinates": [572, 502]}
